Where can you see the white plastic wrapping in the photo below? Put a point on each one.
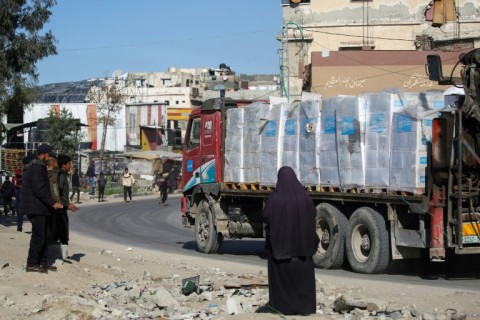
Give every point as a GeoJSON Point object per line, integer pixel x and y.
{"type": "Point", "coordinates": [349, 142]}
{"type": "Point", "coordinates": [328, 148]}
{"type": "Point", "coordinates": [309, 141]}
{"type": "Point", "coordinates": [255, 118]}
{"type": "Point", "coordinates": [234, 146]}
{"type": "Point", "coordinates": [272, 144]}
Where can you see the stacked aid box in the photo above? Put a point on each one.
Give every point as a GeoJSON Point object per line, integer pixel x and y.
{"type": "Point", "coordinates": [411, 133]}
{"type": "Point", "coordinates": [377, 141]}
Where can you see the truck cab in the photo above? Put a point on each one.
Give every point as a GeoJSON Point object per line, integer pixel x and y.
{"type": "Point", "coordinates": [201, 151]}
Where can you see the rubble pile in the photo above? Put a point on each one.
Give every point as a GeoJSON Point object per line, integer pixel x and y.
{"type": "Point", "coordinates": [208, 294]}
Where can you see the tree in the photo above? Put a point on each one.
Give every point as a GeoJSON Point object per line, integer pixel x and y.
{"type": "Point", "coordinates": [109, 98]}
{"type": "Point", "coordinates": [63, 132]}
{"type": "Point", "coordinates": [21, 45]}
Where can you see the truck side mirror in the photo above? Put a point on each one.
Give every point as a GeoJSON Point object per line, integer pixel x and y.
{"type": "Point", "coordinates": [434, 67]}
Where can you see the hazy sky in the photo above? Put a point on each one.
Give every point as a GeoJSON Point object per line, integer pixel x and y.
{"type": "Point", "coordinates": [97, 37]}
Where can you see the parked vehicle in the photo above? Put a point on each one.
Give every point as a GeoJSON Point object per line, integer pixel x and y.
{"type": "Point", "coordinates": [366, 225]}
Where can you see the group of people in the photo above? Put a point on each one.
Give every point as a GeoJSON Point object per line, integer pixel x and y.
{"type": "Point", "coordinates": [45, 201]}
{"type": "Point", "coordinates": [101, 181]}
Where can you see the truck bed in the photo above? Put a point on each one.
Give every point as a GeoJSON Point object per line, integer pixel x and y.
{"type": "Point", "coordinates": [329, 193]}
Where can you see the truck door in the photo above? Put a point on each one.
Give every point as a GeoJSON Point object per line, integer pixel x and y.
{"type": "Point", "coordinates": [210, 154]}
{"type": "Point", "coordinates": [200, 150]}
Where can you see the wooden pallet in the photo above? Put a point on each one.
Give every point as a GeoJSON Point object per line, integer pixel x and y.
{"type": "Point", "coordinates": [375, 190]}
{"type": "Point", "coordinates": [12, 159]}
{"type": "Point", "coordinates": [322, 189]}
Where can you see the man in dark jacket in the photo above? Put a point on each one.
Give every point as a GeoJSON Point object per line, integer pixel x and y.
{"type": "Point", "coordinates": [91, 177]}
{"type": "Point", "coordinates": [62, 235]}
{"type": "Point", "coordinates": [36, 203]}
{"type": "Point", "coordinates": [8, 191]}
{"type": "Point", "coordinates": [75, 185]}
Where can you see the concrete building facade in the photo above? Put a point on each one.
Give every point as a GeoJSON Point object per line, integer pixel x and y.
{"type": "Point", "coordinates": [320, 27]}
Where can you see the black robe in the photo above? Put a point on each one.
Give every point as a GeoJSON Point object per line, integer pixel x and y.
{"type": "Point", "coordinates": [291, 242]}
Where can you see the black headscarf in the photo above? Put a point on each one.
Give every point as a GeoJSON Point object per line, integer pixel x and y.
{"type": "Point", "coordinates": [290, 218]}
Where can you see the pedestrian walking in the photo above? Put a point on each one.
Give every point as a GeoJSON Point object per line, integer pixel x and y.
{"type": "Point", "coordinates": [91, 177]}
{"type": "Point", "coordinates": [75, 186]}
{"type": "Point", "coordinates": [17, 184]}
{"type": "Point", "coordinates": [162, 183]}
{"type": "Point", "coordinates": [8, 192]}
{"type": "Point", "coordinates": [291, 241]}
{"type": "Point", "coordinates": [36, 202]}
{"type": "Point", "coordinates": [127, 181]}
{"type": "Point", "coordinates": [172, 178]}
{"type": "Point", "coordinates": [102, 182]}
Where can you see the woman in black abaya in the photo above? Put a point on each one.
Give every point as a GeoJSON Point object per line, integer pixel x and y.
{"type": "Point", "coordinates": [291, 242]}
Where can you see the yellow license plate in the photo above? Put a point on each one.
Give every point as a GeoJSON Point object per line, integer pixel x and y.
{"type": "Point", "coordinates": [471, 228]}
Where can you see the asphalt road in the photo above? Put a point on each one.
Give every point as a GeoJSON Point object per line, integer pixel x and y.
{"type": "Point", "coordinates": [144, 223]}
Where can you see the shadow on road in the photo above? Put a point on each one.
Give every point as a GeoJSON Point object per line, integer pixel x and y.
{"type": "Point", "coordinates": [77, 256]}
{"type": "Point", "coordinates": [454, 268]}
{"type": "Point", "coordinates": [236, 247]}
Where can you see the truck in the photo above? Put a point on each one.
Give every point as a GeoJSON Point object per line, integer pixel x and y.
{"type": "Point", "coordinates": [437, 217]}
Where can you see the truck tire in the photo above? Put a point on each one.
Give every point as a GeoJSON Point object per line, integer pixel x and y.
{"type": "Point", "coordinates": [331, 229]}
{"type": "Point", "coordinates": [367, 242]}
{"type": "Point", "coordinates": [205, 229]}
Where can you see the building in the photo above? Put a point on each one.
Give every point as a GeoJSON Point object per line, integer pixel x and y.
{"type": "Point", "coordinates": [152, 107]}
{"type": "Point", "coordinates": [318, 34]}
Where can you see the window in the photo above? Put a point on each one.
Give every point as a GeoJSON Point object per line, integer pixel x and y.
{"type": "Point", "coordinates": [194, 92]}
{"type": "Point", "coordinates": [194, 134]}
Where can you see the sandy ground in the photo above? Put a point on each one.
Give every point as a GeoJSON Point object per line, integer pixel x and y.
{"type": "Point", "coordinates": [24, 295]}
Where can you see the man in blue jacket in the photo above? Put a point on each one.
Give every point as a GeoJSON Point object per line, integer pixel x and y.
{"type": "Point", "coordinates": [36, 202]}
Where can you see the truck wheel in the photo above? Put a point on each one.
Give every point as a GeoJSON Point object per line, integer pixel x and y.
{"type": "Point", "coordinates": [367, 242]}
{"type": "Point", "coordinates": [205, 229]}
{"type": "Point", "coordinates": [331, 229]}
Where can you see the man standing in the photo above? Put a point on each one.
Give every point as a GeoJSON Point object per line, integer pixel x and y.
{"type": "Point", "coordinates": [62, 225]}
{"type": "Point", "coordinates": [52, 173]}
{"type": "Point", "coordinates": [102, 183]}
{"type": "Point", "coordinates": [36, 202]}
{"type": "Point", "coordinates": [17, 183]}
{"type": "Point", "coordinates": [8, 191]}
{"type": "Point", "coordinates": [128, 181]}
{"type": "Point", "coordinates": [91, 177]}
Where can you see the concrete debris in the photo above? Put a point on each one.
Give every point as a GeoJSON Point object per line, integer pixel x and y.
{"type": "Point", "coordinates": [155, 297]}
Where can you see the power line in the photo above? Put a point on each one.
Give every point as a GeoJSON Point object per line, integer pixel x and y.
{"type": "Point", "coordinates": [356, 36]}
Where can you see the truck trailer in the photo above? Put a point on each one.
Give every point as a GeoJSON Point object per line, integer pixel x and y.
{"type": "Point", "coordinates": [397, 178]}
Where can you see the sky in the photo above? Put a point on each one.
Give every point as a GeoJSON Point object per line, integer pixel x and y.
{"type": "Point", "coordinates": [98, 37]}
